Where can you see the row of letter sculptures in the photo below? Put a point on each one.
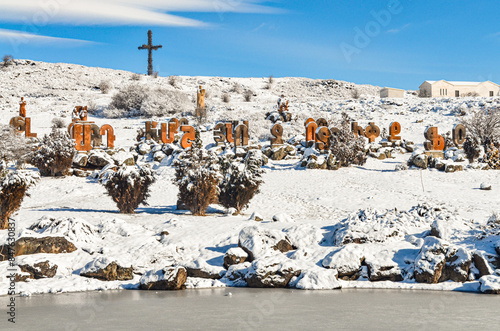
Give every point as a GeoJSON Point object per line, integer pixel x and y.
{"type": "Point", "coordinates": [87, 134]}
{"type": "Point", "coordinates": [166, 132]}
{"type": "Point", "coordinates": [22, 123]}
{"type": "Point", "coordinates": [231, 132]}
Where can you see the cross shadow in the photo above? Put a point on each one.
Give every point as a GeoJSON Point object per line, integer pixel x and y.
{"type": "Point", "coordinates": [79, 210]}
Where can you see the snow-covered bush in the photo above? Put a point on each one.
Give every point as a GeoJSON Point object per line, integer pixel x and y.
{"type": "Point", "coordinates": [484, 126]}
{"type": "Point", "coordinates": [345, 147]}
{"type": "Point", "coordinates": [139, 100]}
{"type": "Point", "coordinates": [129, 186]}
{"type": "Point", "coordinates": [8, 60]}
{"type": "Point", "coordinates": [248, 95]}
{"type": "Point", "coordinates": [54, 154]}
{"type": "Point", "coordinates": [197, 175]}
{"type": "Point", "coordinates": [13, 147]}
{"type": "Point", "coordinates": [105, 86]}
{"type": "Point", "coordinates": [58, 123]}
{"type": "Point", "coordinates": [13, 187]}
{"type": "Point", "coordinates": [241, 181]}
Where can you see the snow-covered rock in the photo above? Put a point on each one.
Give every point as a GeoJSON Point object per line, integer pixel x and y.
{"type": "Point", "coordinates": [234, 255]}
{"type": "Point", "coordinates": [274, 272]}
{"type": "Point", "coordinates": [317, 279]}
{"type": "Point", "coordinates": [490, 284]}
{"type": "Point", "coordinates": [259, 242]}
{"type": "Point", "coordinates": [168, 278]}
{"type": "Point", "coordinates": [75, 229]}
{"type": "Point", "coordinates": [106, 269]}
{"type": "Point", "coordinates": [304, 235]}
{"type": "Point", "coordinates": [347, 261]}
{"type": "Point", "coordinates": [430, 262]}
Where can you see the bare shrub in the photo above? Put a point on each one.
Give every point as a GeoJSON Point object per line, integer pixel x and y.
{"type": "Point", "coordinates": [241, 181]}
{"type": "Point", "coordinates": [13, 188]}
{"type": "Point", "coordinates": [13, 146]}
{"type": "Point", "coordinates": [483, 126]}
{"type": "Point", "coordinates": [54, 154]}
{"type": "Point", "coordinates": [105, 86]}
{"type": "Point", "coordinates": [248, 95]}
{"type": "Point", "coordinates": [129, 187]}
{"type": "Point", "coordinates": [138, 100]}
{"type": "Point", "coordinates": [155, 74]}
{"type": "Point", "coordinates": [197, 176]}
{"type": "Point", "coordinates": [226, 98]}
{"type": "Point", "coordinates": [8, 60]}
{"type": "Point", "coordinates": [345, 147]}
{"type": "Point", "coordinates": [136, 77]}
{"type": "Point", "coordinates": [173, 80]}
{"type": "Point", "coordinates": [423, 93]}
{"type": "Point", "coordinates": [355, 94]}
{"type": "Point", "coordinates": [237, 88]}
{"type": "Point", "coordinates": [470, 94]}
{"type": "Point", "coordinates": [270, 82]}
{"type": "Point", "coordinates": [58, 123]}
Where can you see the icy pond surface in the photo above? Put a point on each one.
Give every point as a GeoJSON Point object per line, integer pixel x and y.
{"type": "Point", "coordinates": [256, 309]}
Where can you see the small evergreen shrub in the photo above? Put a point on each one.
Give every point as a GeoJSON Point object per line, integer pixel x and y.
{"type": "Point", "coordinates": [129, 186]}
{"type": "Point", "coordinates": [198, 176]}
{"type": "Point", "coordinates": [54, 154]}
{"type": "Point", "coordinates": [345, 147]}
{"type": "Point", "coordinates": [13, 147]}
{"type": "Point", "coordinates": [13, 188]}
{"type": "Point", "coordinates": [241, 181]}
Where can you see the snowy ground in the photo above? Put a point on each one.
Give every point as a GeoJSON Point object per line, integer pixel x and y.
{"type": "Point", "coordinates": [311, 203]}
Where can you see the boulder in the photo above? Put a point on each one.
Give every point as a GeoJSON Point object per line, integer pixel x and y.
{"type": "Point", "coordinates": [453, 167]}
{"type": "Point", "coordinates": [347, 261]}
{"type": "Point", "coordinates": [481, 264]}
{"type": "Point", "coordinates": [107, 270]}
{"type": "Point", "coordinates": [80, 159]}
{"type": "Point", "coordinates": [159, 156]}
{"type": "Point", "coordinates": [272, 272]}
{"type": "Point", "coordinates": [143, 149]}
{"type": "Point", "coordinates": [99, 159]}
{"type": "Point", "coordinates": [430, 261]}
{"type": "Point", "coordinates": [485, 187]}
{"type": "Point", "coordinates": [256, 217]}
{"type": "Point", "coordinates": [458, 261]}
{"type": "Point", "coordinates": [39, 270]}
{"type": "Point", "coordinates": [278, 153]}
{"type": "Point", "coordinates": [317, 279]}
{"type": "Point", "coordinates": [123, 158]}
{"type": "Point", "coordinates": [260, 242]}
{"type": "Point", "coordinates": [201, 269]}
{"type": "Point", "coordinates": [236, 273]}
{"type": "Point", "coordinates": [420, 160]}
{"type": "Point", "coordinates": [381, 267]}
{"type": "Point", "coordinates": [28, 246]}
{"type": "Point", "coordinates": [489, 284]}
{"type": "Point", "coordinates": [166, 279]}
{"type": "Point", "coordinates": [233, 256]}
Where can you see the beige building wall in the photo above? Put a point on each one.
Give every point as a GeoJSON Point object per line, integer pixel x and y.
{"type": "Point", "coordinates": [389, 92]}
{"type": "Point", "coordinates": [447, 89]}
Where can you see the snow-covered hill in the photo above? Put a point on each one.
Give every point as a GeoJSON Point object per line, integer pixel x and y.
{"type": "Point", "coordinates": [312, 207]}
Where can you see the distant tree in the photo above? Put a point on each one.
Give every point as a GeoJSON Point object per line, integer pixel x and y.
{"type": "Point", "coordinates": [8, 60]}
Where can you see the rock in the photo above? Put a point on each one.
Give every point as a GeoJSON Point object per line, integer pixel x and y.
{"type": "Point", "coordinates": [303, 235]}
{"type": "Point", "coordinates": [168, 278]}
{"type": "Point", "coordinates": [159, 156]}
{"type": "Point", "coordinates": [99, 159]}
{"type": "Point", "coordinates": [39, 270]}
{"type": "Point", "coordinates": [256, 217]}
{"type": "Point", "coordinates": [430, 261]}
{"type": "Point", "coordinates": [28, 246]}
{"type": "Point", "coordinates": [420, 161]}
{"type": "Point", "coordinates": [497, 247]}
{"type": "Point", "coordinates": [80, 159]}
{"type": "Point", "coordinates": [273, 272]}
{"type": "Point", "coordinates": [282, 218]}
{"type": "Point", "coordinates": [481, 264]}
{"type": "Point", "coordinates": [317, 279]}
{"type": "Point", "coordinates": [458, 261]}
{"type": "Point", "coordinates": [143, 149]}
{"type": "Point", "coordinates": [233, 256]}
{"type": "Point", "coordinates": [123, 158]}
{"type": "Point", "coordinates": [80, 173]}
{"type": "Point", "coordinates": [202, 269]}
{"type": "Point", "coordinates": [258, 242]}
{"type": "Point", "coordinates": [236, 273]}
{"type": "Point", "coordinates": [485, 187]}
{"type": "Point", "coordinates": [105, 269]}
{"type": "Point", "coordinates": [347, 261]}
{"type": "Point", "coordinates": [279, 154]}
{"type": "Point", "coordinates": [453, 168]}
{"type": "Point", "coordinates": [440, 165]}
{"type": "Point", "coordinates": [490, 284]}
{"type": "Point", "coordinates": [440, 229]}
{"type": "Point", "coordinates": [381, 267]}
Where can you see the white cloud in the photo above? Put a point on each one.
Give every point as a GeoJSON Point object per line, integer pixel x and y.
{"type": "Point", "coordinates": [398, 30]}
{"type": "Point", "coordinates": [120, 12]}
{"type": "Point", "coordinates": [20, 37]}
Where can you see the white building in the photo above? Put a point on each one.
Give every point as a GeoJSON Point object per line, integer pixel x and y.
{"type": "Point", "coordinates": [442, 88]}
{"type": "Point", "coordinates": [389, 92]}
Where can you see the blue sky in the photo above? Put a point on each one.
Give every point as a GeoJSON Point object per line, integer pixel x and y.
{"type": "Point", "coordinates": [387, 43]}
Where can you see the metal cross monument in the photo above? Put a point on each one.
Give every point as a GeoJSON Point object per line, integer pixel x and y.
{"type": "Point", "coordinates": [150, 48]}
